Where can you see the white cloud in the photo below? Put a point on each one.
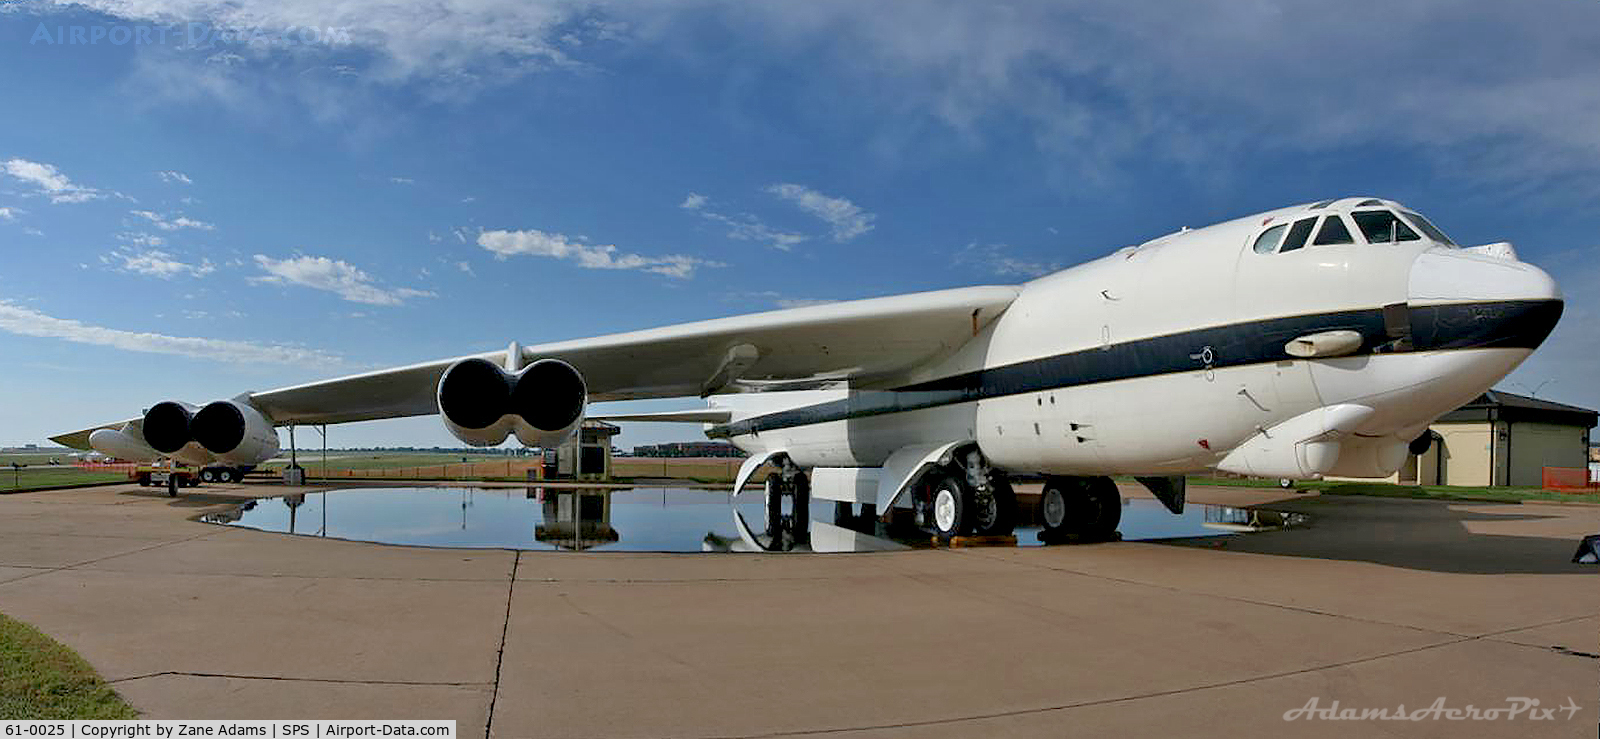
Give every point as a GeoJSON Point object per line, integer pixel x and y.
{"type": "Point", "coordinates": [174, 176]}
{"type": "Point", "coordinates": [142, 239]}
{"type": "Point", "coordinates": [744, 227]}
{"type": "Point", "coordinates": [605, 256]}
{"type": "Point", "coordinates": [25, 321]}
{"type": "Point", "coordinates": [467, 268]}
{"type": "Point", "coordinates": [845, 218]}
{"type": "Point", "coordinates": [402, 180]}
{"type": "Point", "coordinates": [155, 263]}
{"type": "Point", "coordinates": [335, 276]}
{"type": "Point", "coordinates": [9, 214]}
{"type": "Point", "coordinates": [172, 224]}
{"type": "Point", "coordinates": [994, 259]}
{"type": "Point", "coordinates": [49, 181]}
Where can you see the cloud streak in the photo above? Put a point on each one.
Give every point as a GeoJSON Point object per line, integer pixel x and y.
{"type": "Point", "coordinates": [155, 263]}
{"type": "Point", "coordinates": [49, 181]}
{"type": "Point", "coordinates": [335, 276]}
{"type": "Point", "coordinates": [533, 242]}
{"type": "Point", "coordinates": [26, 321]}
{"type": "Point", "coordinates": [743, 227]}
{"type": "Point", "coordinates": [166, 223]}
{"type": "Point", "coordinates": [846, 219]}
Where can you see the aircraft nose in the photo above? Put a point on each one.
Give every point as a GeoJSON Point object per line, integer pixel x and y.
{"type": "Point", "coordinates": [1439, 275]}
{"type": "Point", "coordinates": [1461, 300]}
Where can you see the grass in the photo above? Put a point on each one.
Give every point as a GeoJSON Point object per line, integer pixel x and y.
{"type": "Point", "coordinates": [29, 478]}
{"type": "Point", "coordinates": [1432, 492]}
{"type": "Point", "coordinates": [41, 679]}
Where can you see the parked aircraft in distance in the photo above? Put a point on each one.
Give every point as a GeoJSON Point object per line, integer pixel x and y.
{"type": "Point", "coordinates": [1312, 340]}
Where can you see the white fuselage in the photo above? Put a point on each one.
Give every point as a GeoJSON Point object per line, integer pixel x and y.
{"type": "Point", "coordinates": [1162, 358]}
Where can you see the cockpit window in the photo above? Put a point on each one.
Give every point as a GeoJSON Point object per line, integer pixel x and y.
{"type": "Point", "coordinates": [1382, 227]}
{"type": "Point", "coordinates": [1297, 235]}
{"type": "Point", "coordinates": [1267, 242]}
{"type": "Point", "coordinates": [1427, 228]}
{"type": "Point", "coordinates": [1333, 232]}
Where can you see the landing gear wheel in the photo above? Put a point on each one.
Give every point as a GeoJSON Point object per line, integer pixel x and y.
{"type": "Point", "coordinates": [1087, 508]}
{"type": "Point", "coordinates": [227, 475]}
{"type": "Point", "coordinates": [172, 485]}
{"type": "Point", "coordinates": [1285, 483]}
{"type": "Point", "coordinates": [1103, 509]}
{"type": "Point", "coordinates": [774, 502]}
{"type": "Point", "coordinates": [801, 518]}
{"type": "Point", "coordinates": [995, 514]}
{"type": "Point", "coordinates": [208, 475]}
{"type": "Point", "coordinates": [950, 504]}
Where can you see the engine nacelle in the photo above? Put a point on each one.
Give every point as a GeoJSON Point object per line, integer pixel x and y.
{"type": "Point", "coordinates": [482, 404]}
{"type": "Point", "coordinates": [235, 432]}
{"type": "Point", "coordinates": [166, 426]}
{"type": "Point", "coordinates": [125, 443]}
{"type": "Point", "coordinates": [1371, 457]}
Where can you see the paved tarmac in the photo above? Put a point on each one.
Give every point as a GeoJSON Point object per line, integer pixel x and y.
{"type": "Point", "coordinates": [1379, 603]}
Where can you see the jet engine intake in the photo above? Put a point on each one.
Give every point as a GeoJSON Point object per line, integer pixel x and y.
{"type": "Point", "coordinates": [235, 432]}
{"type": "Point", "coordinates": [166, 426]}
{"type": "Point", "coordinates": [482, 404]}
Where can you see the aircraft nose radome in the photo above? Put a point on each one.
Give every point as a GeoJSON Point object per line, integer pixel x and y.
{"type": "Point", "coordinates": [1452, 276]}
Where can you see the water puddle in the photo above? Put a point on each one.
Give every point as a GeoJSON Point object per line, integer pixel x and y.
{"type": "Point", "coordinates": [652, 520]}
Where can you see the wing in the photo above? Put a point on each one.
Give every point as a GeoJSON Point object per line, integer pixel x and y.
{"type": "Point", "coordinates": [862, 342]}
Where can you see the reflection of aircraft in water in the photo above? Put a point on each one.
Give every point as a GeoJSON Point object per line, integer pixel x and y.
{"type": "Point", "coordinates": [575, 520]}
{"type": "Point", "coordinates": [1227, 518]}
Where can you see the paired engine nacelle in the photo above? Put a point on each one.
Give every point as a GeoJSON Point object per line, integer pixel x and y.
{"type": "Point", "coordinates": [482, 404]}
{"type": "Point", "coordinates": [228, 430]}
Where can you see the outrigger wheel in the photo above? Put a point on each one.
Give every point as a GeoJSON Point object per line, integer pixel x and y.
{"type": "Point", "coordinates": [1087, 508]}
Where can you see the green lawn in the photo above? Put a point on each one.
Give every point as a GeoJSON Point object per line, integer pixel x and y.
{"type": "Point", "coordinates": [380, 460]}
{"type": "Point", "coordinates": [40, 679]}
{"type": "Point", "coordinates": [29, 478]}
{"type": "Point", "coordinates": [1388, 490]}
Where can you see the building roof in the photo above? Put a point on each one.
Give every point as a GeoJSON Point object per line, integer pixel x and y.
{"type": "Point", "coordinates": [1504, 406]}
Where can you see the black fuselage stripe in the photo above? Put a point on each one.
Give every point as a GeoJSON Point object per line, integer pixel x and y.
{"type": "Point", "coordinates": [1499, 324]}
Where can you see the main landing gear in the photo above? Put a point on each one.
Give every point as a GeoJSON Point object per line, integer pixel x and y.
{"type": "Point", "coordinates": [1079, 508]}
{"type": "Point", "coordinates": [793, 529]}
{"type": "Point", "coordinates": [967, 497]}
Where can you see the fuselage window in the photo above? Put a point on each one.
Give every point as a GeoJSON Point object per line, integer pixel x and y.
{"type": "Point", "coordinates": [1427, 228]}
{"type": "Point", "coordinates": [1267, 242]}
{"type": "Point", "coordinates": [1382, 227]}
{"type": "Point", "coordinates": [1333, 232]}
{"type": "Point", "coordinates": [1297, 234]}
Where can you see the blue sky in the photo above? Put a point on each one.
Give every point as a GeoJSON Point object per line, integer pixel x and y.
{"type": "Point", "coordinates": [255, 194]}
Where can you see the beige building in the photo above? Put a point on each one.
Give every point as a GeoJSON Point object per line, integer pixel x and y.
{"type": "Point", "coordinates": [1501, 439]}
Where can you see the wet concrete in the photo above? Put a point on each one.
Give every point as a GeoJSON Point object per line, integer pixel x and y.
{"type": "Point", "coordinates": [1381, 602]}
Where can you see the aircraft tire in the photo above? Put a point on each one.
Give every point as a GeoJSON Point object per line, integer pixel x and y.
{"type": "Point", "coordinates": [208, 475]}
{"type": "Point", "coordinates": [1000, 518]}
{"type": "Point", "coordinates": [172, 485]}
{"type": "Point", "coordinates": [951, 504]}
{"type": "Point", "coordinates": [1086, 508]}
{"type": "Point", "coordinates": [1103, 509]}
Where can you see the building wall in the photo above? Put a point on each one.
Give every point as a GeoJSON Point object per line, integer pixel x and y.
{"type": "Point", "coordinates": [1468, 452]}
{"type": "Point", "coordinates": [1535, 446]}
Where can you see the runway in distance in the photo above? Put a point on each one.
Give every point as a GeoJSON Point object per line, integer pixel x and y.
{"type": "Point", "coordinates": [1318, 339]}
